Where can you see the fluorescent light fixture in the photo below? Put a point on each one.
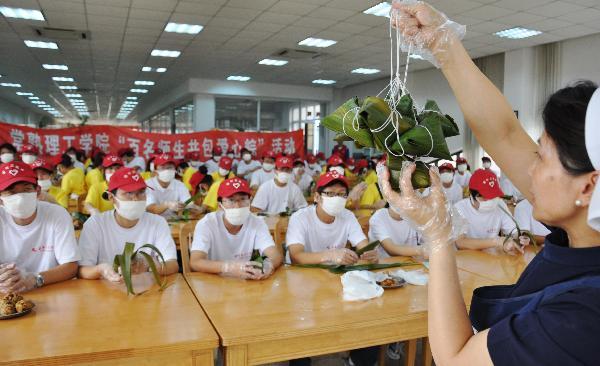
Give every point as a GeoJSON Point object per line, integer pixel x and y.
{"type": "Point", "coordinates": [142, 91]}
{"type": "Point", "coordinates": [317, 42]}
{"type": "Point", "coordinates": [73, 95]}
{"type": "Point", "coordinates": [40, 44]}
{"type": "Point", "coordinates": [361, 70]}
{"type": "Point", "coordinates": [146, 69]}
{"type": "Point", "coordinates": [517, 33]}
{"type": "Point", "coordinates": [24, 94]}
{"type": "Point", "coordinates": [238, 78]}
{"type": "Point", "coordinates": [183, 28]}
{"type": "Point", "coordinates": [11, 85]}
{"type": "Point", "coordinates": [380, 10]}
{"type": "Point", "coordinates": [67, 87]}
{"type": "Point", "coordinates": [143, 82]}
{"type": "Point", "coordinates": [270, 62]}
{"type": "Point", "coordinates": [33, 98]}
{"type": "Point", "coordinates": [417, 57]}
{"type": "Point", "coordinates": [55, 67]}
{"type": "Point", "coordinates": [37, 102]}
{"type": "Point", "coordinates": [61, 78]}
{"type": "Point", "coordinates": [165, 53]}
{"type": "Point", "coordinates": [161, 69]}
{"type": "Point", "coordinates": [132, 98]}
{"type": "Point", "coordinates": [324, 82]}
{"type": "Point", "coordinates": [21, 13]}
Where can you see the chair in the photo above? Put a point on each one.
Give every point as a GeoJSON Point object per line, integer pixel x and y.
{"type": "Point", "coordinates": [280, 232]}
{"type": "Point", "coordinates": [185, 237]}
{"type": "Point", "coordinates": [364, 224]}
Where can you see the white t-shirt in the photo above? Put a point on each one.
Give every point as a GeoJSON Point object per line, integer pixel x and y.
{"type": "Point", "coordinates": [305, 182]}
{"type": "Point", "coordinates": [508, 188]}
{"type": "Point", "coordinates": [211, 166]}
{"type": "Point", "coordinates": [382, 226]}
{"type": "Point", "coordinates": [243, 168]}
{"type": "Point", "coordinates": [176, 191]}
{"type": "Point", "coordinates": [261, 176]}
{"type": "Point", "coordinates": [137, 161]}
{"type": "Point", "coordinates": [212, 238]}
{"type": "Point", "coordinates": [274, 199]}
{"type": "Point", "coordinates": [484, 225]}
{"type": "Point", "coordinates": [307, 229]}
{"type": "Point", "coordinates": [524, 216]}
{"type": "Point", "coordinates": [102, 237]}
{"type": "Point", "coordinates": [454, 193]}
{"type": "Point", "coordinates": [462, 180]}
{"type": "Point", "coordinates": [47, 242]}
{"type": "Point", "coordinates": [315, 169]}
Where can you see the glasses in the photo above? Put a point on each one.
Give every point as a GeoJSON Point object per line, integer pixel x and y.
{"type": "Point", "coordinates": [132, 196]}
{"type": "Point", "coordinates": [19, 188]}
{"type": "Point", "coordinates": [334, 194]}
{"type": "Point", "coordinates": [242, 202]}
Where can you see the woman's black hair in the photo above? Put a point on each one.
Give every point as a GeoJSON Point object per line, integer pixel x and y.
{"type": "Point", "coordinates": [203, 170]}
{"type": "Point", "coordinates": [332, 183]}
{"type": "Point", "coordinates": [473, 193]}
{"type": "Point", "coordinates": [485, 158]}
{"type": "Point", "coordinates": [8, 146]}
{"type": "Point", "coordinates": [80, 154]}
{"type": "Point", "coordinates": [564, 122]}
{"type": "Point", "coordinates": [65, 161]}
{"type": "Point", "coordinates": [98, 158]}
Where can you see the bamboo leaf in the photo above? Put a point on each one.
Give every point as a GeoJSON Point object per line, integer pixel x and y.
{"type": "Point", "coordinates": [338, 268]}
{"type": "Point", "coordinates": [260, 259]}
{"type": "Point", "coordinates": [418, 141]}
{"type": "Point", "coordinates": [369, 247]}
{"type": "Point", "coordinates": [346, 118]}
{"type": "Point", "coordinates": [153, 268]}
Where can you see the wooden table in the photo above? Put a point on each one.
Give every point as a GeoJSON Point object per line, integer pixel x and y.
{"type": "Point", "coordinates": [87, 322]}
{"type": "Point", "coordinates": [499, 267]}
{"type": "Point", "coordinates": [299, 312]}
{"type": "Point", "coordinates": [271, 222]}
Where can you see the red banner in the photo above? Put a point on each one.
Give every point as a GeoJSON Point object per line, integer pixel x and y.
{"type": "Point", "coordinates": [111, 138]}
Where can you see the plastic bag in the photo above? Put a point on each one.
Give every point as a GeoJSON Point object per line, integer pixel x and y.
{"type": "Point", "coordinates": [360, 285]}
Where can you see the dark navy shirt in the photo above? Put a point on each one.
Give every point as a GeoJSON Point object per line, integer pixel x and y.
{"type": "Point", "coordinates": [564, 331]}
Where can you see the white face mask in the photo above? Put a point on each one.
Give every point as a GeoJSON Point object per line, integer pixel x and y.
{"type": "Point", "coordinates": [489, 205]}
{"type": "Point", "coordinates": [20, 205]}
{"type": "Point", "coordinates": [282, 177]}
{"type": "Point", "coordinates": [152, 166]}
{"type": "Point", "coordinates": [107, 176]}
{"type": "Point", "coordinates": [236, 216]}
{"type": "Point", "coordinates": [298, 171]}
{"type": "Point", "coordinates": [246, 157]}
{"type": "Point", "coordinates": [7, 157]}
{"type": "Point", "coordinates": [73, 157]}
{"type": "Point", "coordinates": [44, 184]}
{"type": "Point", "coordinates": [462, 168]}
{"type": "Point", "coordinates": [338, 169]}
{"type": "Point", "coordinates": [223, 172]}
{"type": "Point", "coordinates": [268, 166]}
{"type": "Point", "coordinates": [447, 177]}
{"type": "Point", "coordinates": [217, 158]}
{"type": "Point", "coordinates": [230, 156]}
{"type": "Point", "coordinates": [333, 206]}
{"type": "Point", "coordinates": [28, 158]}
{"type": "Point", "coordinates": [487, 165]}
{"type": "Point", "coordinates": [131, 210]}
{"type": "Point", "coordinates": [351, 167]}
{"type": "Point", "coordinates": [195, 164]}
{"type": "Point", "coordinates": [166, 175]}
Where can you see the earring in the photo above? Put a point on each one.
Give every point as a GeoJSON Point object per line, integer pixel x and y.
{"type": "Point", "coordinates": [578, 203]}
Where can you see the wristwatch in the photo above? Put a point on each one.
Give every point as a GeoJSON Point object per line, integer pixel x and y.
{"type": "Point", "coordinates": [39, 280]}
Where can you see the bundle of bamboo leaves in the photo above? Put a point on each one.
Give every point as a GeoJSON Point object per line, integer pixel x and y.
{"type": "Point", "coordinates": [403, 134]}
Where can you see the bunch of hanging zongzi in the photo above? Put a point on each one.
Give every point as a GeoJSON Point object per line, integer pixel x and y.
{"type": "Point", "coordinates": [404, 133]}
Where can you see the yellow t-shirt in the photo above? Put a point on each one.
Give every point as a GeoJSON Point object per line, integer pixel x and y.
{"type": "Point", "coordinates": [187, 175]}
{"type": "Point", "coordinates": [54, 191]}
{"type": "Point", "coordinates": [87, 163]}
{"type": "Point", "coordinates": [210, 201]}
{"type": "Point", "coordinates": [371, 177]}
{"type": "Point", "coordinates": [146, 175]}
{"type": "Point", "coordinates": [72, 182]}
{"type": "Point", "coordinates": [217, 178]}
{"type": "Point", "coordinates": [369, 197]}
{"type": "Point", "coordinates": [94, 197]}
{"type": "Point", "coordinates": [93, 176]}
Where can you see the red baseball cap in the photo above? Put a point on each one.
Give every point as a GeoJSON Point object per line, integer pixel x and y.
{"type": "Point", "coordinates": [217, 150]}
{"type": "Point", "coordinates": [321, 155]}
{"type": "Point", "coordinates": [163, 159]}
{"type": "Point", "coordinates": [231, 186]}
{"type": "Point", "coordinates": [284, 162]}
{"type": "Point", "coordinates": [14, 172]}
{"type": "Point", "coordinates": [269, 154]}
{"type": "Point", "coordinates": [335, 160]}
{"type": "Point", "coordinates": [329, 177]}
{"type": "Point", "coordinates": [362, 163]}
{"type": "Point", "coordinates": [225, 163]}
{"type": "Point", "coordinates": [126, 179]}
{"type": "Point", "coordinates": [195, 180]}
{"type": "Point", "coordinates": [111, 160]}
{"type": "Point", "coordinates": [311, 159]}
{"type": "Point", "coordinates": [42, 164]}
{"type": "Point", "coordinates": [446, 166]}
{"type": "Point", "coordinates": [461, 161]}
{"type": "Point", "coordinates": [350, 161]}
{"type": "Point", "coordinates": [486, 183]}
{"type": "Point", "coordinates": [30, 149]}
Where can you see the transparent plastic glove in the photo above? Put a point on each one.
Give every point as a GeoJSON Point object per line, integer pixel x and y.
{"type": "Point", "coordinates": [12, 279]}
{"type": "Point", "coordinates": [425, 31]}
{"type": "Point", "coordinates": [357, 191]}
{"type": "Point", "coordinates": [379, 204]}
{"type": "Point", "coordinates": [430, 215]}
{"type": "Point", "coordinates": [241, 269]}
{"type": "Point", "coordinates": [510, 246]}
{"type": "Point", "coordinates": [372, 256]}
{"type": "Point", "coordinates": [174, 205]}
{"type": "Point", "coordinates": [108, 273]}
{"type": "Point", "coordinates": [268, 268]}
{"type": "Point", "coordinates": [139, 265]}
{"type": "Point", "coordinates": [340, 256]}
{"type": "Point", "coordinates": [524, 240]}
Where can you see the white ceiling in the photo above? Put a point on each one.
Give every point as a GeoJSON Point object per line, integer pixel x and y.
{"type": "Point", "coordinates": [239, 33]}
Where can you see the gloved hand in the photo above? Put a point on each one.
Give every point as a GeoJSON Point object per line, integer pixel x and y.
{"type": "Point", "coordinates": [267, 269]}
{"type": "Point", "coordinates": [340, 256]}
{"type": "Point", "coordinates": [357, 191]}
{"type": "Point", "coordinates": [241, 269]}
{"type": "Point", "coordinates": [524, 240]}
{"type": "Point", "coordinates": [139, 265]}
{"type": "Point", "coordinates": [379, 204]}
{"type": "Point", "coordinates": [174, 205]}
{"type": "Point", "coordinates": [108, 273]}
{"type": "Point", "coordinates": [371, 256]}
{"type": "Point", "coordinates": [74, 196]}
{"type": "Point", "coordinates": [12, 279]}
{"type": "Point", "coordinates": [510, 246]}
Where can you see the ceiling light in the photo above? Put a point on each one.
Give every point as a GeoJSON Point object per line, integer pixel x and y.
{"type": "Point", "coordinates": [183, 28]}
{"type": "Point", "coordinates": [324, 82]}
{"type": "Point", "coordinates": [165, 53]}
{"type": "Point", "coordinates": [67, 87]}
{"type": "Point", "coordinates": [146, 69]}
{"type": "Point", "coordinates": [60, 78]}
{"type": "Point", "coordinates": [21, 13]}
{"type": "Point", "coordinates": [270, 62]}
{"type": "Point", "coordinates": [24, 93]}
{"type": "Point", "coordinates": [317, 42]}
{"type": "Point", "coordinates": [518, 33]}
{"type": "Point", "coordinates": [417, 57]}
{"type": "Point", "coordinates": [55, 67]}
{"type": "Point", "coordinates": [143, 82]}
{"type": "Point", "coordinates": [73, 95]}
{"type": "Point", "coordinates": [33, 98]}
{"type": "Point", "coordinates": [40, 44]}
{"type": "Point", "coordinates": [161, 69]}
{"type": "Point", "coordinates": [238, 78]}
{"type": "Point", "coordinates": [37, 102]}
{"type": "Point", "coordinates": [380, 10]}
{"type": "Point", "coordinates": [11, 85]}
{"type": "Point", "coordinates": [365, 71]}
{"type": "Point", "coordinates": [142, 91]}
{"type": "Point", "coordinates": [132, 98]}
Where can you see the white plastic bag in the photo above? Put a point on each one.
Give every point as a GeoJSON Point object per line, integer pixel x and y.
{"type": "Point", "coordinates": [360, 285]}
{"type": "Point", "coordinates": [418, 277]}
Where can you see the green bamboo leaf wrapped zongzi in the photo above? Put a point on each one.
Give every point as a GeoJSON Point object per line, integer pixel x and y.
{"type": "Point", "coordinates": [418, 141]}
{"type": "Point", "coordinates": [346, 118]}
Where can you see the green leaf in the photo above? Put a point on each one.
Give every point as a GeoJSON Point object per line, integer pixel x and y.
{"type": "Point", "coordinates": [418, 141]}
{"type": "Point", "coordinates": [192, 199]}
{"type": "Point", "coordinates": [419, 179]}
{"type": "Point", "coordinates": [153, 269]}
{"type": "Point", "coordinates": [256, 257]}
{"type": "Point", "coordinates": [369, 247]}
{"type": "Point", "coordinates": [346, 118]}
{"type": "Point", "coordinates": [338, 268]}
{"type": "Point", "coordinates": [125, 264]}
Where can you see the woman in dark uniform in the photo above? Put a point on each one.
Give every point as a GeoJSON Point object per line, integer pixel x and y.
{"type": "Point", "coordinates": [551, 316]}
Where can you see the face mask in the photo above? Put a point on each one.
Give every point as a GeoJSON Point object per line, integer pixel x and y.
{"type": "Point", "coordinates": [73, 157]}
{"type": "Point", "coordinates": [236, 216]}
{"type": "Point", "coordinates": [462, 168]}
{"type": "Point", "coordinates": [195, 164]}
{"type": "Point", "coordinates": [351, 167]}
{"type": "Point", "coordinates": [223, 172]}
{"type": "Point", "coordinates": [28, 159]}
{"type": "Point", "coordinates": [298, 171]}
{"type": "Point", "coordinates": [131, 210]}
{"type": "Point", "coordinates": [268, 166]}
{"type": "Point", "coordinates": [487, 165]}
{"type": "Point", "coordinates": [217, 158]}
{"type": "Point", "coordinates": [338, 169]}
{"type": "Point", "coordinates": [107, 176]}
{"type": "Point", "coordinates": [246, 157]}
{"type": "Point", "coordinates": [20, 205]}
{"type": "Point", "coordinates": [447, 177]}
{"type": "Point", "coordinates": [152, 166]}
{"type": "Point", "coordinates": [166, 175]}
{"type": "Point", "coordinates": [322, 163]}
{"type": "Point", "coordinates": [7, 157]}
{"type": "Point", "coordinates": [283, 177]}
{"type": "Point", "coordinates": [333, 206]}
{"type": "Point", "coordinates": [230, 156]}
{"type": "Point", "coordinates": [489, 205]}
{"type": "Point", "coordinates": [44, 184]}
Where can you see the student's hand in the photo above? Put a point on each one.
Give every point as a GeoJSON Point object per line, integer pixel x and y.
{"type": "Point", "coordinates": [175, 205]}
{"type": "Point", "coordinates": [357, 192]}
{"type": "Point", "coordinates": [268, 269]}
{"type": "Point", "coordinates": [107, 272]}
{"type": "Point", "coordinates": [12, 279]}
{"type": "Point", "coordinates": [379, 204]}
{"type": "Point", "coordinates": [524, 240]}
{"type": "Point", "coordinates": [372, 256]}
{"type": "Point", "coordinates": [241, 269]}
{"type": "Point", "coordinates": [139, 265]}
{"type": "Point", "coordinates": [510, 246]}
{"type": "Point", "coordinates": [340, 256]}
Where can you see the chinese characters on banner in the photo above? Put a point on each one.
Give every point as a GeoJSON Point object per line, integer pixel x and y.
{"type": "Point", "coordinates": [111, 138]}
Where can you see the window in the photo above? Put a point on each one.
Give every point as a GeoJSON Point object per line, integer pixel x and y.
{"type": "Point", "coordinates": [161, 123]}
{"type": "Point", "coordinates": [236, 113]}
{"type": "Point", "coordinates": [184, 118]}
{"type": "Point", "coordinates": [278, 115]}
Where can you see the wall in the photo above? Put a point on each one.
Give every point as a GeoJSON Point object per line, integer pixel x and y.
{"type": "Point", "coordinates": [12, 113]}
{"type": "Point", "coordinates": [579, 59]}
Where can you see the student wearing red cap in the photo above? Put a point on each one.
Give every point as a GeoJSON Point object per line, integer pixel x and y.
{"type": "Point", "coordinates": [95, 175]}
{"type": "Point", "coordinates": [72, 184]}
{"type": "Point", "coordinates": [188, 167]}
{"type": "Point", "coordinates": [212, 164]}
{"type": "Point", "coordinates": [280, 193]}
{"type": "Point", "coordinates": [49, 186]}
{"type": "Point", "coordinates": [224, 240]}
{"type": "Point", "coordinates": [95, 203]}
{"type": "Point", "coordinates": [463, 175]}
{"type": "Point", "coordinates": [247, 165]}
{"type": "Point", "coordinates": [131, 160]}
{"type": "Point", "coordinates": [314, 169]}
{"type": "Point", "coordinates": [211, 200]}
{"type": "Point", "coordinates": [104, 235]}
{"type": "Point", "coordinates": [454, 192]}
{"type": "Point", "coordinates": [167, 195]}
{"type": "Point", "coordinates": [266, 173]}
{"type": "Point", "coordinates": [335, 163]}
{"type": "Point", "coordinates": [29, 153]}
{"type": "Point", "coordinates": [37, 240]}
{"type": "Point", "coordinates": [201, 184]}
{"type": "Point", "coordinates": [301, 178]}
